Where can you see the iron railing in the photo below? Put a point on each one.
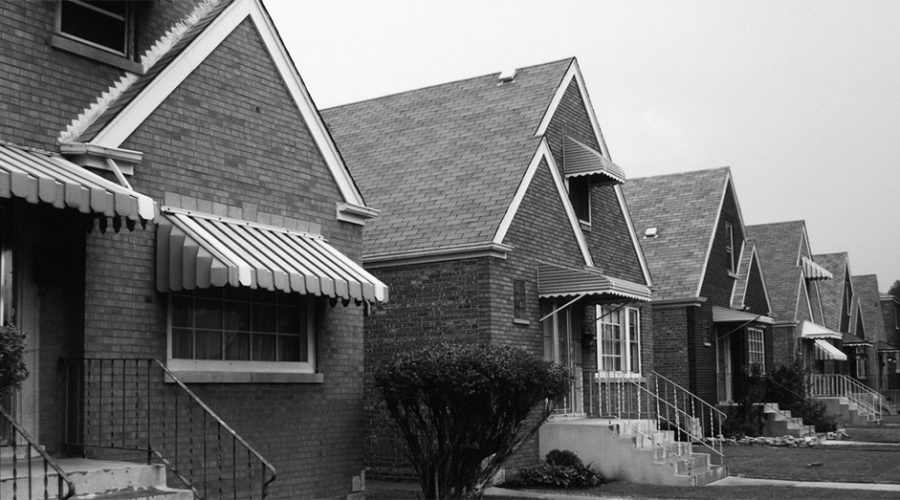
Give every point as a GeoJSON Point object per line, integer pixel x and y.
{"type": "Point", "coordinates": [776, 388]}
{"type": "Point", "coordinates": [870, 402]}
{"type": "Point", "coordinates": [20, 477]}
{"type": "Point", "coordinates": [138, 408]}
{"type": "Point", "coordinates": [635, 400]}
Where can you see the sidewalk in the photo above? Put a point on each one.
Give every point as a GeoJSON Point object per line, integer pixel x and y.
{"type": "Point", "coordinates": [752, 481]}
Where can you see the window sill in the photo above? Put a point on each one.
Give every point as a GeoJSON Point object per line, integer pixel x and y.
{"type": "Point", "coordinates": [732, 274]}
{"type": "Point", "coordinates": [585, 225]}
{"type": "Point", "coordinates": [67, 44]}
{"type": "Point", "coordinates": [231, 377]}
{"type": "Point", "coordinates": [518, 321]}
{"type": "Point", "coordinates": [618, 377]}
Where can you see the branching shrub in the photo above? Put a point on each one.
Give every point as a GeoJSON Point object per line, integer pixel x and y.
{"type": "Point", "coordinates": [463, 409]}
{"type": "Point", "coordinates": [561, 469]}
{"type": "Point", "coordinates": [12, 363]}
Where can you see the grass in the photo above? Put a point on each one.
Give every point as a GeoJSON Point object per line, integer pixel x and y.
{"type": "Point", "coordinates": [873, 434]}
{"type": "Point", "coordinates": [837, 463]}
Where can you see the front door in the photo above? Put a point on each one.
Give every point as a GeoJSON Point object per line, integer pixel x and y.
{"type": "Point", "coordinates": [561, 347]}
{"type": "Point", "coordinates": [724, 369]}
{"type": "Point", "coordinates": [7, 303]}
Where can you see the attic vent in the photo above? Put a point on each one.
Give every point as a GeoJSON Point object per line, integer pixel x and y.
{"type": "Point", "coordinates": [651, 232]}
{"type": "Point", "coordinates": [507, 75]}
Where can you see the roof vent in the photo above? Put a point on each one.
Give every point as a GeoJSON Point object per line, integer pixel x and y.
{"type": "Point", "coordinates": [507, 76]}
{"type": "Point", "coordinates": [651, 232]}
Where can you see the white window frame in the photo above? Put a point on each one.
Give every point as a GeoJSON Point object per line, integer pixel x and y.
{"type": "Point", "coordinates": [861, 368]}
{"type": "Point", "coordinates": [729, 245]}
{"type": "Point", "coordinates": [756, 348]}
{"type": "Point", "coordinates": [127, 20]}
{"type": "Point", "coordinates": [628, 317]}
{"type": "Point", "coordinates": [248, 366]}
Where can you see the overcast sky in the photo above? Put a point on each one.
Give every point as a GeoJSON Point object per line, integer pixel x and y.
{"type": "Point", "coordinates": [799, 98]}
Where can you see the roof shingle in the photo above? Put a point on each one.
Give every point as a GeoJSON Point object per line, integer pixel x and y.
{"type": "Point", "coordinates": [778, 248]}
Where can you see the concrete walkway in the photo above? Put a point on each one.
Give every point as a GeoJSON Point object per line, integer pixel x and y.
{"type": "Point", "coordinates": [859, 443]}
{"type": "Point", "coordinates": [752, 481]}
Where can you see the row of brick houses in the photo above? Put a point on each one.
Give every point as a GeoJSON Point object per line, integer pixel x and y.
{"type": "Point", "coordinates": [201, 260]}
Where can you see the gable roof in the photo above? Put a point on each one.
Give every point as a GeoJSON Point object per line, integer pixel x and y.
{"type": "Point", "coordinates": [685, 209]}
{"type": "Point", "coordinates": [749, 256]}
{"type": "Point", "coordinates": [778, 246]}
{"type": "Point", "coordinates": [121, 109]}
{"type": "Point", "coordinates": [865, 288]}
{"type": "Point", "coordinates": [831, 292]}
{"type": "Point", "coordinates": [444, 163]}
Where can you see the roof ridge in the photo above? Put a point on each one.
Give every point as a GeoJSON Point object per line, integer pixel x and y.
{"type": "Point", "coordinates": [150, 57]}
{"type": "Point", "coordinates": [427, 87]}
{"type": "Point", "coordinates": [684, 172]}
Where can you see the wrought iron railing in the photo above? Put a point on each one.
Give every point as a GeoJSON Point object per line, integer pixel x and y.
{"type": "Point", "coordinates": [869, 402]}
{"type": "Point", "coordinates": [776, 388]}
{"type": "Point", "coordinates": [634, 400]}
{"type": "Point", "coordinates": [138, 408]}
{"type": "Point", "coordinates": [20, 476]}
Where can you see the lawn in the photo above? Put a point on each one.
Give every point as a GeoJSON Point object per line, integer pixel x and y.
{"type": "Point", "coordinates": [874, 434]}
{"type": "Point", "coordinates": [837, 463]}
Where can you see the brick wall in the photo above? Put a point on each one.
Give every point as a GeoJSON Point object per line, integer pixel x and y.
{"type": "Point", "coordinates": [755, 296]}
{"type": "Point", "coordinates": [889, 312]}
{"type": "Point", "coordinates": [702, 357]}
{"type": "Point", "coordinates": [671, 342]}
{"type": "Point", "coordinates": [571, 119]}
{"type": "Point", "coordinates": [784, 345]}
{"type": "Point", "coordinates": [718, 282]}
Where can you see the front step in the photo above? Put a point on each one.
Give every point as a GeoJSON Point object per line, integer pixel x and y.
{"type": "Point", "coordinates": [651, 458]}
{"type": "Point", "coordinates": [94, 479]}
{"type": "Point", "coordinates": [848, 412]}
{"type": "Point", "coordinates": [779, 422]}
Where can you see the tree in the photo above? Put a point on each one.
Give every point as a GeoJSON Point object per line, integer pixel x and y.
{"type": "Point", "coordinates": [463, 409]}
{"type": "Point", "coordinates": [895, 289]}
{"type": "Point", "coordinates": [12, 363]}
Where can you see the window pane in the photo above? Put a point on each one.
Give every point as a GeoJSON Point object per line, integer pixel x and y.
{"type": "Point", "coordinates": [209, 345]}
{"type": "Point", "coordinates": [264, 348]}
{"type": "Point", "coordinates": [263, 318]}
{"type": "Point", "coordinates": [288, 319]}
{"type": "Point", "coordinates": [237, 316]}
{"type": "Point", "coordinates": [182, 343]}
{"type": "Point", "coordinates": [237, 293]}
{"type": "Point", "coordinates": [181, 311]}
{"type": "Point", "coordinates": [93, 26]}
{"type": "Point", "coordinates": [207, 314]}
{"type": "Point", "coordinates": [289, 348]}
{"type": "Point", "coordinates": [237, 345]}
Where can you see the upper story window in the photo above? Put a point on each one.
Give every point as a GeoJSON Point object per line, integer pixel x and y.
{"type": "Point", "coordinates": [241, 329]}
{"type": "Point", "coordinates": [101, 24]}
{"type": "Point", "coordinates": [848, 295]}
{"type": "Point", "coordinates": [729, 245]}
{"type": "Point", "coordinates": [619, 345]}
{"type": "Point", "coordinates": [580, 196]}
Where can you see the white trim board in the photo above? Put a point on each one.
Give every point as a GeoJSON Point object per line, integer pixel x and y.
{"type": "Point", "coordinates": [142, 105]}
{"type": "Point", "coordinates": [636, 243]}
{"type": "Point", "coordinates": [712, 236]}
{"type": "Point", "coordinates": [574, 71]}
{"type": "Point", "coordinates": [543, 153]}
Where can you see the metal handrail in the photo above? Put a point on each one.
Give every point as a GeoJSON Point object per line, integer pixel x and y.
{"type": "Point", "coordinates": [121, 405]}
{"type": "Point", "coordinates": [61, 476]}
{"type": "Point", "coordinates": [832, 384]}
{"type": "Point", "coordinates": [810, 429]}
{"type": "Point", "coordinates": [716, 416]}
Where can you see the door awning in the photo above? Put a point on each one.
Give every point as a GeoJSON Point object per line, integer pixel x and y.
{"type": "Point", "coordinates": [810, 330]}
{"type": "Point", "coordinates": [580, 159]}
{"type": "Point", "coordinates": [44, 177]}
{"type": "Point", "coordinates": [554, 281]}
{"type": "Point", "coordinates": [201, 251]}
{"type": "Point", "coordinates": [826, 351]}
{"type": "Point", "coordinates": [726, 315]}
{"type": "Point", "coordinates": [813, 271]}
{"type": "Point", "coordinates": [852, 340]}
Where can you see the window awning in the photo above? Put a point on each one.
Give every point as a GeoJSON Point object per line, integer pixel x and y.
{"type": "Point", "coordinates": [885, 347]}
{"type": "Point", "coordinates": [556, 281]}
{"type": "Point", "coordinates": [813, 271]}
{"type": "Point", "coordinates": [852, 340]}
{"type": "Point", "coordinates": [45, 177]}
{"type": "Point", "coordinates": [726, 315]}
{"type": "Point", "coordinates": [200, 251]}
{"type": "Point", "coordinates": [826, 351]}
{"type": "Point", "coordinates": [810, 330]}
{"type": "Point", "coordinates": [580, 159]}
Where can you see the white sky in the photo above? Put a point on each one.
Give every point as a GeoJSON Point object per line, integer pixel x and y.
{"type": "Point", "coordinates": [799, 98]}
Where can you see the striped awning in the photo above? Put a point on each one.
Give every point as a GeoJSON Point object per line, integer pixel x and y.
{"type": "Point", "coordinates": [813, 271]}
{"type": "Point", "coordinates": [554, 281]}
{"type": "Point", "coordinates": [810, 330]}
{"type": "Point", "coordinates": [580, 159]}
{"type": "Point", "coordinates": [201, 251]}
{"type": "Point", "coordinates": [826, 351]}
{"type": "Point", "coordinates": [44, 177]}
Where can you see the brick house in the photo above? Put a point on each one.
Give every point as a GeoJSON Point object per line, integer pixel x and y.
{"type": "Point", "coordinates": [871, 313]}
{"type": "Point", "coordinates": [503, 220]}
{"type": "Point", "coordinates": [711, 312]}
{"type": "Point", "coordinates": [793, 278]}
{"type": "Point", "coordinates": [890, 314]}
{"type": "Point", "coordinates": [168, 191]}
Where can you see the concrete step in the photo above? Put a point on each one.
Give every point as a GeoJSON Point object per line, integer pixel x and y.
{"type": "Point", "coordinates": [689, 465]}
{"type": "Point", "coordinates": [94, 479]}
{"type": "Point", "coordinates": [712, 474]}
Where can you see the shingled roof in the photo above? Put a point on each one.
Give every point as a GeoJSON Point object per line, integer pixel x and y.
{"type": "Point", "coordinates": [443, 163]}
{"type": "Point", "coordinates": [866, 289]}
{"type": "Point", "coordinates": [684, 208]}
{"type": "Point", "coordinates": [832, 291]}
{"type": "Point", "coordinates": [778, 247]}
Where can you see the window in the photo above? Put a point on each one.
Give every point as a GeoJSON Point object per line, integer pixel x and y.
{"type": "Point", "coordinates": [860, 364]}
{"type": "Point", "coordinates": [756, 348]}
{"type": "Point", "coordinates": [619, 333]}
{"type": "Point", "coordinates": [580, 196]}
{"type": "Point", "coordinates": [101, 24]}
{"type": "Point", "coordinates": [708, 336]}
{"type": "Point", "coordinates": [729, 245]}
{"type": "Point", "coordinates": [848, 295]}
{"type": "Point", "coordinates": [519, 309]}
{"type": "Point", "coordinates": [239, 328]}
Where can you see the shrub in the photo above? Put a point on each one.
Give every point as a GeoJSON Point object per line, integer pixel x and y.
{"type": "Point", "coordinates": [561, 469]}
{"type": "Point", "coordinates": [462, 409]}
{"type": "Point", "coordinates": [12, 364]}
